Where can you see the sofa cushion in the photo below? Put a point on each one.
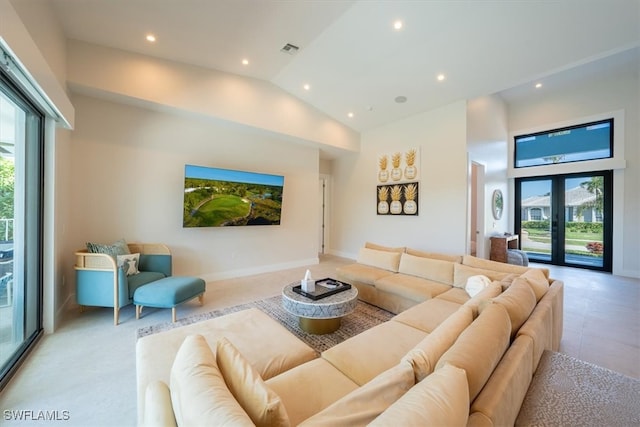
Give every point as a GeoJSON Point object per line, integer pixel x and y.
{"type": "Point", "coordinates": [538, 282]}
{"type": "Point", "coordinates": [486, 295]}
{"type": "Point", "coordinates": [441, 399]}
{"type": "Point", "coordinates": [480, 347]}
{"type": "Point", "coordinates": [199, 394]}
{"type": "Point", "coordinates": [501, 397]}
{"type": "Point", "coordinates": [519, 300]}
{"type": "Point", "coordinates": [377, 247]}
{"type": "Point", "coordinates": [380, 259]}
{"type": "Point", "coordinates": [129, 263]}
{"type": "Point", "coordinates": [141, 279]}
{"type": "Point", "coordinates": [309, 388]}
{"type": "Point", "coordinates": [428, 315]}
{"type": "Point", "coordinates": [367, 354]}
{"type": "Point", "coordinates": [259, 402]}
{"type": "Point", "coordinates": [364, 404]}
{"type": "Point", "coordinates": [410, 287]}
{"type": "Point", "coordinates": [435, 255]}
{"type": "Point", "coordinates": [361, 274]}
{"type": "Point", "coordinates": [263, 341]}
{"type": "Point", "coordinates": [114, 249]}
{"type": "Point", "coordinates": [158, 405]}
{"type": "Point", "coordinates": [425, 355]}
{"type": "Point", "coordinates": [461, 274]}
{"type": "Point", "coordinates": [486, 264]}
{"type": "Point", "coordinates": [427, 268]}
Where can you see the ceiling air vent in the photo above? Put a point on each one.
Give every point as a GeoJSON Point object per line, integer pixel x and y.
{"type": "Point", "coordinates": [290, 49]}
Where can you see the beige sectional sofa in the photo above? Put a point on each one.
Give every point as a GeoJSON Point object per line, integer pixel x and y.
{"type": "Point", "coordinates": [447, 358]}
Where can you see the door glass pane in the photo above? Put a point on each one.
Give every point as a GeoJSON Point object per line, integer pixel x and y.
{"type": "Point", "coordinates": [20, 227]}
{"type": "Point", "coordinates": [584, 213]}
{"type": "Point", "coordinates": [535, 211]}
{"type": "Point", "coordinates": [12, 125]}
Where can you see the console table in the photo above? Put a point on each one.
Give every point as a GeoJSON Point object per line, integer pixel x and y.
{"type": "Point", "coordinates": [500, 245]}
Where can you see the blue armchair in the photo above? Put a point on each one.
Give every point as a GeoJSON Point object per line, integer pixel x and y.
{"type": "Point", "coordinates": [99, 281]}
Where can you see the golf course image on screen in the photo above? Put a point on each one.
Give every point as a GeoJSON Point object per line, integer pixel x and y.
{"type": "Point", "coordinates": [215, 197]}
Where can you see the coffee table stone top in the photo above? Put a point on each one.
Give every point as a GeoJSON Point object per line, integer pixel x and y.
{"type": "Point", "coordinates": [331, 307]}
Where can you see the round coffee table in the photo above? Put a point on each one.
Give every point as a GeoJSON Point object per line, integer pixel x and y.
{"type": "Point", "coordinates": [319, 316]}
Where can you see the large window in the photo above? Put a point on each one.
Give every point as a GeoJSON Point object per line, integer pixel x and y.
{"type": "Point", "coordinates": [21, 183]}
{"type": "Point", "coordinates": [589, 141]}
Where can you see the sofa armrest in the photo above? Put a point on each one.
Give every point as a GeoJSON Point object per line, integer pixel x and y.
{"type": "Point", "coordinates": [158, 411]}
{"type": "Point", "coordinates": [100, 282]}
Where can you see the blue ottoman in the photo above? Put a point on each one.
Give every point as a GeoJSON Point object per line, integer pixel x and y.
{"type": "Point", "coordinates": [168, 293]}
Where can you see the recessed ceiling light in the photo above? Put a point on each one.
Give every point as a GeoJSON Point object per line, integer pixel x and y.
{"type": "Point", "coordinates": [350, 114]}
{"type": "Point", "coordinates": [245, 61]}
{"type": "Point", "coordinates": [397, 25]}
{"type": "Point", "coordinates": [538, 85]}
{"type": "Point", "coordinates": [401, 99]}
{"type": "Point", "coordinates": [441, 77]}
{"type": "Point", "coordinates": [151, 38]}
{"type": "Point", "coordinates": [306, 86]}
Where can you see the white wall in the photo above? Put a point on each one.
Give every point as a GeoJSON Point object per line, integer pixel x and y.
{"type": "Point", "coordinates": [487, 144]}
{"type": "Point", "coordinates": [572, 104]}
{"type": "Point", "coordinates": [440, 226]}
{"type": "Point", "coordinates": [127, 168]}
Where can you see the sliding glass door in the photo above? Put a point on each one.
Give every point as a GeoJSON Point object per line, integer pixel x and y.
{"type": "Point", "coordinates": [21, 163]}
{"type": "Point", "coordinates": [566, 219]}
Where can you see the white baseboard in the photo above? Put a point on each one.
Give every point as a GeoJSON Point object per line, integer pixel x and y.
{"type": "Point", "coordinates": [635, 274]}
{"type": "Point", "coordinates": [342, 254]}
{"type": "Point", "coordinates": [258, 270]}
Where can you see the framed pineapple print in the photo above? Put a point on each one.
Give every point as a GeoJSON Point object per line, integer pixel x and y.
{"type": "Point", "coordinates": [398, 182]}
{"type": "Point", "coordinates": [399, 167]}
{"type": "Point", "coordinates": [398, 199]}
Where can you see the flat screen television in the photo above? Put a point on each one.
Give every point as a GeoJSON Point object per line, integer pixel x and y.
{"type": "Point", "coordinates": [216, 197]}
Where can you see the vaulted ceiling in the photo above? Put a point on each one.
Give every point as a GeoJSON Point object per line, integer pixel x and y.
{"type": "Point", "coordinates": [353, 59]}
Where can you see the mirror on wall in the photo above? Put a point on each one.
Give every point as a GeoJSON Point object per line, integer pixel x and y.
{"type": "Point", "coordinates": [497, 204]}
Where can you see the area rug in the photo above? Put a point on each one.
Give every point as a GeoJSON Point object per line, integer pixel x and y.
{"type": "Point", "coordinates": [569, 392]}
{"type": "Point", "coordinates": [364, 317]}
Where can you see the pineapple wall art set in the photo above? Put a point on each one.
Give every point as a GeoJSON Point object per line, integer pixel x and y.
{"type": "Point", "coordinates": [398, 167]}
{"type": "Point", "coordinates": [397, 190]}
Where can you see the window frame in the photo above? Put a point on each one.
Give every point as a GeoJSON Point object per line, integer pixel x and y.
{"type": "Point", "coordinates": [609, 120]}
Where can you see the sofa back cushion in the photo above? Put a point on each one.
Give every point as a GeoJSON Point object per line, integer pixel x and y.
{"type": "Point", "coordinates": [538, 282]}
{"type": "Point", "coordinates": [473, 261]}
{"type": "Point", "coordinates": [425, 355]}
{"type": "Point", "coordinates": [431, 269]}
{"type": "Point", "coordinates": [480, 347]}
{"type": "Point", "coordinates": [377, 247]}
{"type": "Point", "coordinates": [245, 383]}
{"type": "Point", "coordinates": [519, 301]}
{"type": "Point", "coordinates": [381, 259]}
{"type": "Point", "coordinates": [364, 404]}
{"type": "Point", "coordinates": [199, 394]}
{"type": "Point", "coordinates": [441, 399]}
{"type": "Point", "coordinates": [462, 273]}
{"type": "Point", "coordinates": [435, 255]}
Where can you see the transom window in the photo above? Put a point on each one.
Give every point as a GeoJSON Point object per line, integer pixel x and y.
{"type": "Point", "coordinates": [589, 141]}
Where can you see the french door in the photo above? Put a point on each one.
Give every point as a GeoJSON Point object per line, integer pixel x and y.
{"type": "Point", "coordinates": [21, 183]}
{"type": "Point", "coordinates": [566, 219]}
